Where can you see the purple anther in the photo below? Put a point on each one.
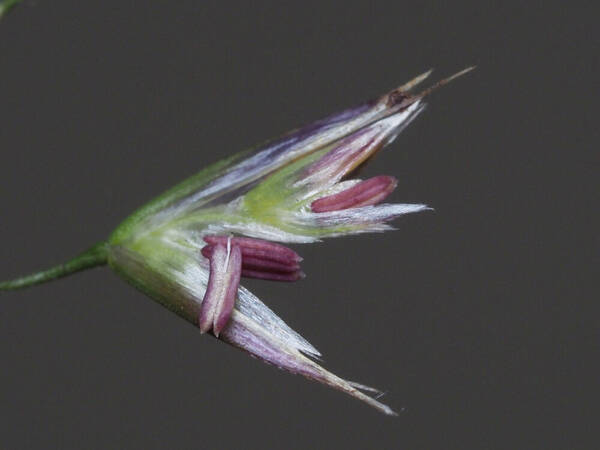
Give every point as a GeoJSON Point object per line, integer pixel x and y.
{"type": "Point", "coordinates": [260, 259]}
{"type": "Point", "coordinates": [223, 282]}
{"type": "Point", "coordinates": [258, 248]}
{"type": "Point", "coordinates": [254, 263]}
{"type": "Point", "coordinates": [273, 276]}
{"type": "Point", "coordinates": [368, 192]}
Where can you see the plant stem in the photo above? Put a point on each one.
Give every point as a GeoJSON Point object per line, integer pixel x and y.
{"type": "Point", "coordinates": [94, 256]}
{"type": "Point", "coordinates": [6, 6]}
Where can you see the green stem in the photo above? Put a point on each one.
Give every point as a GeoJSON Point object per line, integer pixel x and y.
{"type": "Point", "coordinates": [6, 6]}
{"type": "Point", "coordinates": [94, 256]}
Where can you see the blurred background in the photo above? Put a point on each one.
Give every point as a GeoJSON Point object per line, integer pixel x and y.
{"type": "Point", "coordinates": [476, 319]}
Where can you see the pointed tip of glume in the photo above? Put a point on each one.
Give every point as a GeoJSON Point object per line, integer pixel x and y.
{"type": "Point", "coordinates": [459, 74]}
{"type": "Point", "coordinates": [401, 95]}
{"type": "Point", "coordinates": [444, 81]}
{"type": "Point", "coordinates": [415, 81]}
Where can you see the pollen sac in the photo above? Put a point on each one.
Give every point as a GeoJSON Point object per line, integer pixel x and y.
{"type": "Point", "coordinates": [368, 192]}
{"type": "Point", "coordinates": [223, 282]}
{"type": "Point", "coordinates": [260, 259]}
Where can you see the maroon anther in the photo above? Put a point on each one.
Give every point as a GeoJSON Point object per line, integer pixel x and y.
{"type": "Point", "coordinates": [231, 258]}
{"type": "Point", "coordinates": [274, 276]}
{"type": "Point", "coordinates": [260, 259]}
{"type": "Point", "coordinates": [221, 291]}
{"type": "Point", "coordinates": [258, 247]}
{"type": "Point", "coordinates": [368, 192]}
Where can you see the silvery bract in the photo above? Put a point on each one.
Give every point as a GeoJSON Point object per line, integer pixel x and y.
{"type": "Point", "coordinates": [231, 219]}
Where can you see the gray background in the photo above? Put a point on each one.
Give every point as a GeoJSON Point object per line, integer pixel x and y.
{"type": "Point", "coordinates": [476, 319]}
